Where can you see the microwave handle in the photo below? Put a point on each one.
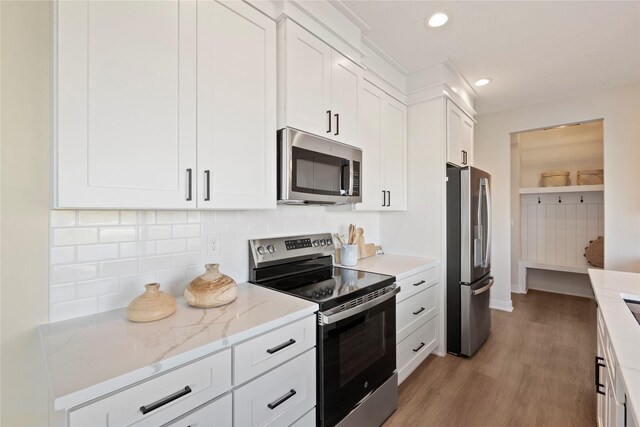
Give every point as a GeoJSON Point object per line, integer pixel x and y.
{"type": "Point", "coordinates": [350, 193]}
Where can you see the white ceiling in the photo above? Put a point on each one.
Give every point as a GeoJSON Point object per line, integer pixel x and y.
{"type": "Point", "coordinates": [535, 51]}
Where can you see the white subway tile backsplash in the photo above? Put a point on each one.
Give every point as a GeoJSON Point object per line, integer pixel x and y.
{"type": "Point", "coordinates": [119, 267]}
{"type": "Point", "coordinates": [171, 246]}
{"type": "Point", "coordinates": [74, 236]}
{"type": "Point", "coordinates": [94, 288]}
{"type": "Point", "coordinates": [62, 255]}
{"type": "Point", "coordinates": [71, 309]}
{"type": "Point", "coordinates": [128, 217]}
{"type": "Point", "coordinates": [155, 232]}
{"type": "Point", "coordinates": [117, 234]}
{"type": "Point", "coordinates": [154, 263]}
{"type": "Point", "coordinates": [97, 252]}
{"type": "Point", "coordinates": [73, 273]}
{"type": "Point", "coordinates": [101, 260]}
{"type": "Point", "coordinates": [63, 218]}
{"type": "Point", "coordinates": [171, 217]}
{"type": "Point", "coordinates": [62, 293]}
{"type": "Point", "coordinates": [98, 218]}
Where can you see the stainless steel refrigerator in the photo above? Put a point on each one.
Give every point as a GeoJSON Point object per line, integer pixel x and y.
{"type": "Point", "coordinates": [468, 259]}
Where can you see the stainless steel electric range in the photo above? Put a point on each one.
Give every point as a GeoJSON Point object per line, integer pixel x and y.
{"type": "Point", "coordinates": [356, 339]}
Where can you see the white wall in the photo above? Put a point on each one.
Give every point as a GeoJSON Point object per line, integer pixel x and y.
{"type": "Point", "coordinates": [25, 136]}
{"type": "Point", "coordinates": [620, 109]}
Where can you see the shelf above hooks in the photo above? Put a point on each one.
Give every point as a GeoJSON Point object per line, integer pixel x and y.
{"type": "Point", "coordinates": [567, 189]}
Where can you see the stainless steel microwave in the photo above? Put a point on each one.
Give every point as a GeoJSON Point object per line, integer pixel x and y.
{"type": "Point", "coordinates": [315, 170]}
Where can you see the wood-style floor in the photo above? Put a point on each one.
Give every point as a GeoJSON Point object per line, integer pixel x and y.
{"type": "Point", "coordinates": [536, 369]}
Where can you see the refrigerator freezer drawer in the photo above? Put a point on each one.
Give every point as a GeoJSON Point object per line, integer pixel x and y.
{"type": "Point", "coordinates": [475, 315]}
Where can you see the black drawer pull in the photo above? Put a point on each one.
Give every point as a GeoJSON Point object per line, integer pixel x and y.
{"type": "Point", "coordinates": [419, 311]}
{"type": "Point", "coordinates": [281, 346]}
{"type": "Point", "coordinates": [283, 399]}
{"type": "Point", "coordinates": [145, 409]}
{"type": "Point", "coordinates": [598, 366]}
{"type": "Point", "coordinates": [419, 283]}
{"type": "Point", "coordinates": [419, 347]}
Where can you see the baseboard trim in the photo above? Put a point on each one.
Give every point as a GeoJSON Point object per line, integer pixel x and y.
{"type": "Point", "coordinates": [501, 305]}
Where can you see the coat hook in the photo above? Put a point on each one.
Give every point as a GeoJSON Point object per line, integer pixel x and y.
{"type": "Point", "coordinates": [581, 199]}
{"type": "Point", "coordinates": [538, 199]}
{"type": "Point", "coordinates": [559, 199]}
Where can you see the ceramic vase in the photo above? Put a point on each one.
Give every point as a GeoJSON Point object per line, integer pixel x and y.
{"type": "Point", "coordinates": [211, 289]}
{"type": "Point", "coordinates": [151, 305]}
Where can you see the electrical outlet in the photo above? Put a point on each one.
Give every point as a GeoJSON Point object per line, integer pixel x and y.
{"type": "Point", "coordinates": [213, 245]}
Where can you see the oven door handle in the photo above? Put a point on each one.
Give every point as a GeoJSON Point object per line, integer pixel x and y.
{"type": "Point", "coordinates": [328, 317]}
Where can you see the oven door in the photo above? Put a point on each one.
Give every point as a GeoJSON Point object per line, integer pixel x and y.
{"type": "Point", "coordinates": [356, 355]}
{"type": "Point", "coordinates": [317, 170]}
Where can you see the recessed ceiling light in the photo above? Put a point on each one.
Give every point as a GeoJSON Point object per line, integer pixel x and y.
{"type": "Point", "coordinates": [483, 81]}
{"type": "Point", "coordinates": [437, 20]}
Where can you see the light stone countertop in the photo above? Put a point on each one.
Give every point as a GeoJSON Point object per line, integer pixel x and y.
{"type": "Point", "coordinates": [393, 265]}
{"type": "Point", "coordinates": [622, 327]}
{"type": "Point", "coordinates": [90, 356]}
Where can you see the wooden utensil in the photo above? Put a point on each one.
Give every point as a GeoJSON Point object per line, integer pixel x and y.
{"type": "Point", "coordinates": [352, 230]}
{"type": "Point", "coordinates": [362, 252]}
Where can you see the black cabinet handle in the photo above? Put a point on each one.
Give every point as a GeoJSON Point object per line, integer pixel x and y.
{"type": "Point", "coordinates": [281, 346]}
{"type": "Point", "coordinates": [337, 116]}
{"type": "Point", "coordinates": [464, 157]}
{"type": "Point", "coordinates": [419, 283]}
{"type": "Point", "coordinates": [388, 198]}
{"type": "Point", "coordinates": [189, 184]}
{"type": "Point", "coordinates": [207, 194]}
{"type": "Point", "coordinates": [274, 405]}
{"type": "Point", "coordinates": [419, 347]}
{"type": "Point", "coordinates": [384, 198]}
{"type": "Point", "coordinates": [145, 409]}
{"type": "Point", "coordinates": [329, 117]}
{"type": "Point", "coordinates": [419, 311]}
{"type": "Point", "coordinates": [598, 366]}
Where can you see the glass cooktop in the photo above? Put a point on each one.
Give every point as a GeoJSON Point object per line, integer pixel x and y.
{"type": "Point", "coordinates": [330, 286]}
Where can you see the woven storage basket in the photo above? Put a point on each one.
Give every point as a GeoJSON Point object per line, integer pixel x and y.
{"type": "Point", "coordinates": [555, 178]}
{"type": "Point", "coordinates": [591, 177]}
{"type": "Point", "coordinates": [595, 252]}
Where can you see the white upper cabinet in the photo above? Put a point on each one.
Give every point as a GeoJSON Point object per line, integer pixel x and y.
{"type": "Point", "coordinates": [383, 124]}
{"type": "Point", "coordinates": [164, 104]}
{"type": "Point", "coordinates": [236, 107]}
{"type": "Point", "coordinates": [459, 136]}
{"type": "Point", "coordinates": [125, 104]}
{"type": "Point", "coordinates": [319, 88]}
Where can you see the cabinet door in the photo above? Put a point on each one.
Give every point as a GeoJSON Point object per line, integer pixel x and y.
{"type": "Point", "coordinates": [125, 104]}
{"type": "Point", "coordinates": [602, 401]}
{"type": "Point", "coordinates": [454, 141]}
{"type": "Point", "coordinates": [236, 107]}
{"type": "Point", "coordinates": [466, 140]}
{"type": "Point", "coordinates": [307, 82]}
{"type": "Point", "coordinates": [371, 100]}
{"type": "Point", "coordinates": [393, 139]}
{"type": "Point", "coordinates": [346, 78]}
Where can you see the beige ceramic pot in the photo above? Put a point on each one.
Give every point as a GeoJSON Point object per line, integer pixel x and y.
{"type": "Point", "coordinates": [211, 289]}
{"type": "Point", "coordinates": [151, 305]}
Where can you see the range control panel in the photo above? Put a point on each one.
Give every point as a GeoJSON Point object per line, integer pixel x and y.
{"type": "Point", "coordinates": [282, 249]}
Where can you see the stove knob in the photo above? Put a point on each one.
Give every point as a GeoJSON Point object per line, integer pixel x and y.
{"type": "Point", "coordinates": [316, 243]}
{"type": "Point", "coordinates": [261, 250]}
{"type": "Point", "coordinates": [323, 242]}
{"type": "Point", "coordinates": [271, 249]}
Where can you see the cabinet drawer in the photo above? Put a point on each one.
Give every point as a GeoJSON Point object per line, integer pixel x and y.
{"type": "Point", "coordinates": [417, 282]}
{"type": "Point", "coordinates": [279, 397]}
{"type": "Point", "coordinates": [415, 311]}
{"type": "Point", "coordinates": [218, 413]}
{"type": "Point", "coordinates": [267, 351]}
{"type": "Point", "coordinates": [308, 420]}
{"type": "Point", "coordinates": [419, 344]}
{"type": "Point", "coordinates": [198, 382]}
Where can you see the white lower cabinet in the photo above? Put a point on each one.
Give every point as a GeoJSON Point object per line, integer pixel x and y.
{"type": "Point", "coordinates": [274, 384]}
{"type": "Point", "coordinates": [611, 405]}
{"type": "Point", "coordinates": [218, 413]}
{"type": "Point", "coordinates": [417, 320]}
{"type": "Point", "coordinates": [280, 397]}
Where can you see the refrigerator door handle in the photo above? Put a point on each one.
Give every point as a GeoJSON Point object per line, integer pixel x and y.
{"type": "Point", "coordinates": [484, 288]}
{"type": "Point", "coordinates": [487, 251]}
